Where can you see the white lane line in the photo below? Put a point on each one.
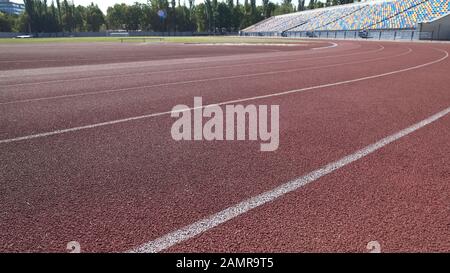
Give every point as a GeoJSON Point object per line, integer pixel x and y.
{"type": "Point", "coordinates": [229, 213]}
{"type": "Point", "coordinates": [79, 59]}
{"type": "Point", "coordinates": [325, 47]}
{"type": "Point", "coordinates": [138, 57]}
{"type": "Point", "coordinates": [199, 81]}
{"type": "Point", "coordinates": [381, 48]}
{"type": "Point", "coordinates": [74, 129]}
{"type": "Point", "coordinates": [34, 72]}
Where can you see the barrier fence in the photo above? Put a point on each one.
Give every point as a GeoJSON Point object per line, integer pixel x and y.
{"type": "Point", "coordinates": [112, 34]}
{"type": "Point", "coordinates": [410, 35]}
{"type": "Point", "coordinates": [373, 34]}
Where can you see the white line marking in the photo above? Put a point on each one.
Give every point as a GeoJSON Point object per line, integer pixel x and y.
{"type": "Point", "coordinates": [20, 73]}
{"type": "Point", "coordinates": [229, 213]}
{"type": "Point", "coordinates": [325, 47]}
{"type": "Point", "coordinates": [198, 81]}
{"type": "Point", "coordinates": [138, 57]}
{"type": "Point", "coordinates": [190, 69]}
{"type": "Point", "coordinates": [74, 129]}
{"type": "Point", "coordinates": [78, 59]}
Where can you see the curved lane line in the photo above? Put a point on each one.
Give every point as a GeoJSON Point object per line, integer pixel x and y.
{"type": "Point", "coordinates": [96, 125]}
{"type": "Point", "coordinates": [198, 81]}
{"type": "Point", "coordinates": [381, 48]}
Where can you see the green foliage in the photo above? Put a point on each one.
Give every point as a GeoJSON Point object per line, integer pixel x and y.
{"type": "Point", "coordinates": [94, 18]}
{"type": "Point", "coordinates": [6, 23]}
{"type": "Point", "coordinates": [211, 15]}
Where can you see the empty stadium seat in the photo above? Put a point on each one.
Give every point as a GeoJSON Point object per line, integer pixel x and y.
{"type": "Point", "coordinates": [382, 15]}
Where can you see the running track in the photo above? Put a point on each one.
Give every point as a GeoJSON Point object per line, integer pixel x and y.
{"type": "Point", "coordinates": [87, 155]}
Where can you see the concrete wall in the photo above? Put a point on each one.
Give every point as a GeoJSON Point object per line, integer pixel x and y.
{"type": "Point", "coordinates": [439, 28]}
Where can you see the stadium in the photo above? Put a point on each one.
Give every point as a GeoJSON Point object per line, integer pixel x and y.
{"type": "Point", "coordinates": [324, 130]}
{"type": "Point", "coordinates": [428, 18]}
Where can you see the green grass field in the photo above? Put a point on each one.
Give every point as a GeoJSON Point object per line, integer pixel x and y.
{"type": "Point", "coordinates": [202, 39]}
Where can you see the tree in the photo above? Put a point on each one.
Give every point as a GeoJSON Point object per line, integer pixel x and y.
{"type": "Point", "coordinates": [58, 5]}
{"type": "Point", "coordinates": [301, 5]}
{"type": "Point", "coordinates": [156, 15]}
{"type": "Point", "coordinates": [255, 16]}
{"type": "Point", "coordinates": [237, 16]}
{"type": "Point", "coordinates": [94, 18]}
{"type": "Point", "coordinates": [285, 7]}
{"type": "Point", "coordinates": [184, 20]}
{"type": "Point", "coordinates": [215, 14]}
{"type": "Point", "coordinates": [224, 17]}
{"type": "Point", "coordinates": [51, 19]}
{"type": "Point", "coordinates": [201, 17]}
{"type": "Point", "coordinates": [116, 16]}
{"type": "Point", "coordinates": [151, 19]}
{"type": "Point", "coordinates": [22, 23]}
{"type": "Point", "coordinates": [5, 23]}
{"type": "Point", "coordinates": [147, 16]}
{"type": "Point", "coordinates": [133, 15]}
{"type": "Point", "coordinates": [68, 21]}
{"type": "Point", "coordinates": [39, 17]}
{"type": "Point", "coordinates": [209, 15]}
{"type": "Point", "coordinates": [79, 17]}
{"type": "Point", "coordinates": [173, 22]}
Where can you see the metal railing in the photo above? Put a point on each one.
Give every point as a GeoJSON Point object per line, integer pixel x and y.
{"type": "Point", "coordinates": [406, 35]}
{"type": "Point", "coordinates": [143, 39]}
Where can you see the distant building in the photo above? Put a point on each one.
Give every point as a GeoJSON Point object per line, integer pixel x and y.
{"type": "Point", "coordinates": [11, 7]}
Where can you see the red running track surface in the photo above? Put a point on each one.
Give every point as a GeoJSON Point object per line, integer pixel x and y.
{"type": "Point", "coordinates": [119, 186]}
